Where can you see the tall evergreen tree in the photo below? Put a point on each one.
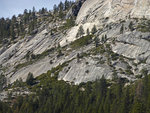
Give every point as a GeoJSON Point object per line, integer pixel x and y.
{"type": "Point", "coordinates": [122, 29]}
{"type": "Point", "coordinates": [94, 29]}
{"type": "Point", "coordinates": [88, 31]}
{"type": "Point", "coordinates": [80, 32]}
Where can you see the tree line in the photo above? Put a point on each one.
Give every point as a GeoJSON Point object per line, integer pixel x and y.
{"type": "Point", "coordinates": [101, 96]}
{"type": "Point", "coordinates": [26, 23]}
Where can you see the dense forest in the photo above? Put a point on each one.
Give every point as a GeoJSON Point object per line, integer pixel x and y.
{"type": "Point", "coordinates": [101, 96]}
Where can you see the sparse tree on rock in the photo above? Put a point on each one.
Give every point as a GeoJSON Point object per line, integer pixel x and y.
{"type": "Point", "coordinates": [80, 32]}
{"type": "Point", "coordinates": [96, 40]}
{"type": "Point", "coordinates": [122, 29]}
{"type": "Point", "coordinates": [94, 29]}
{"type": "Point", "coordinates": [78, 57]}
{"type": "Point", "coordinates": [131, 26]}
{"type": "Point", "coordinates": [104, 38]}
{"type": "Point", "coordinates": [88, 31]}
{"type": "Point", "coordinates": [30, 79]}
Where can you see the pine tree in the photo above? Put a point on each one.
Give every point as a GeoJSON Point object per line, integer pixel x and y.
{"type": "Point", "coordinates": [55, 8]}
{"type": "Point", "coordinates": [61, 6]}
{"type": "Point", "coordinates": [66, 5]}
{"type": "Point", "coordinates": [70, 22]}
{"type": "Point", "coordinates": [33, 9]}
{"type": "Point", "coordinates": [13, 20]}
{"type": "Point", "coordinates": [30, 79]}
{"type": "Point", "coordinates": [131, 26]}
{"type": "Point", "coordinates": [26, 16]}
{"type": "Point", "coordinates": [104, 38]}
{"type": "Point", "coordinates": [126, 102]}
{"type": "Point", "coordinates": [88, 31]}
{"type": "Point", "coordinates": [43, 10]}
{"type": "Point", "coordinates": [107, 102]}
{"type": "Point", "coordinates": [12, 32]}
{"type": "Point", "coordinates": [122, 29]}
{"type": "Point", "coordinates": [146, 87]}
{"type": "Point", "coordinates": [78, 57]}
{"type": "Point", "coordinates": [138, 106]}
{"type": "Point", "coordinates": [96, 40]}
{"type": "Point", "coordinates": [80, 32]}
{"type": "Point", "coordinates": [94, 29]}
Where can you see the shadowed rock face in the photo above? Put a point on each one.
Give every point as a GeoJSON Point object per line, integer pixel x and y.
{"type": "Point", "coordinates": [75, 9]}
{"type": "Point", "coordinates": [96, 10]}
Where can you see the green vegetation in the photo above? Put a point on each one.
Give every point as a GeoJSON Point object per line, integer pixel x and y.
{"type": "Point", "coordinates": [59, 51]}
{"type": "Point", "coordinates": [144, 26]}
{"type": "Point", "coordinates": [85, 40]}
{"type": "Point", "coordinates": [30, 79]}
{"type": "Point", "coordinates": [61, 9]}
{"type": "Point", "coordinates": [28, 22]}
{"type": "Point", "coordinates": [114, 56]}
{"type": "Point", "coordinates": [80, 32]}
{"type": "Point", "coordinates": [31, 58]}
{"type": "Point", "coordinates": [131, 26]}
{"type": "Point", "coordinates": [78, 57]}
{"type": "Point", "coordinates": [53, 96]}
{"type": "Point", "coordinates": [88, 31]}
{"type": "Point", "coordinates": [94, 29]}
{"type": "Point", "coordinates": [101, 96]}
{"type": "Point", "coordinates": [122, 29]}
{"type": "Point", "coordinates": [5, 108]}
{"type": "Point", "coordinates": [96, 41]}
{"type": "Point", "coordinates": [69, 23]}
{"type": "Point", "coordinates": [103, 48]}
{"type": "Point", "coordinates": [128, 72]}
{"type": "Point", "coordinates": [100, 49]}
{"type": "Point", "coordinates": [2, 81]}
{"type": "Point", "coordinates": [104, 38]}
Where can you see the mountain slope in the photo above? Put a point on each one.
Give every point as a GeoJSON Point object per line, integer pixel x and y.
{"type": "Point", "coordinates": [97, 62]}
{"type": "Point", "coordinates": [119, 46]}
{"type": "Point", "coordinates": [96, 10]}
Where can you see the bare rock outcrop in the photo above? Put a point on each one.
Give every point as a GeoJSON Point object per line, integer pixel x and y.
{"type": "Point", "coordinates": [96, 10]}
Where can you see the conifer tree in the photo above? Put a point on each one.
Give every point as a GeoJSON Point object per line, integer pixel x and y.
{"type": "Point", "coordinates": [94, 29]}
{"type": "Point", "coordinates": [131, 26]}
{"type": "Point", "coordinates": [80, 32]}
{"type": "Point", "coordinates": [122, 29]}
{"type": "Point", "coordinates": [30, 79]}
{"type": "Point", "coordinates": [88, 31]}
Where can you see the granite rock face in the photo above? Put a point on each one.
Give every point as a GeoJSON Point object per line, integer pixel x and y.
{"type": "Point", "coordinates": [132, 46]}
{"type": "Point", "coordinates": [128, 54]}
{"type": "Point", "coordinates": [73, 12]}
{"type": "Point", "coordinates": [15, 54]}
{"type": "Point", "coordinates": [96, 10]}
